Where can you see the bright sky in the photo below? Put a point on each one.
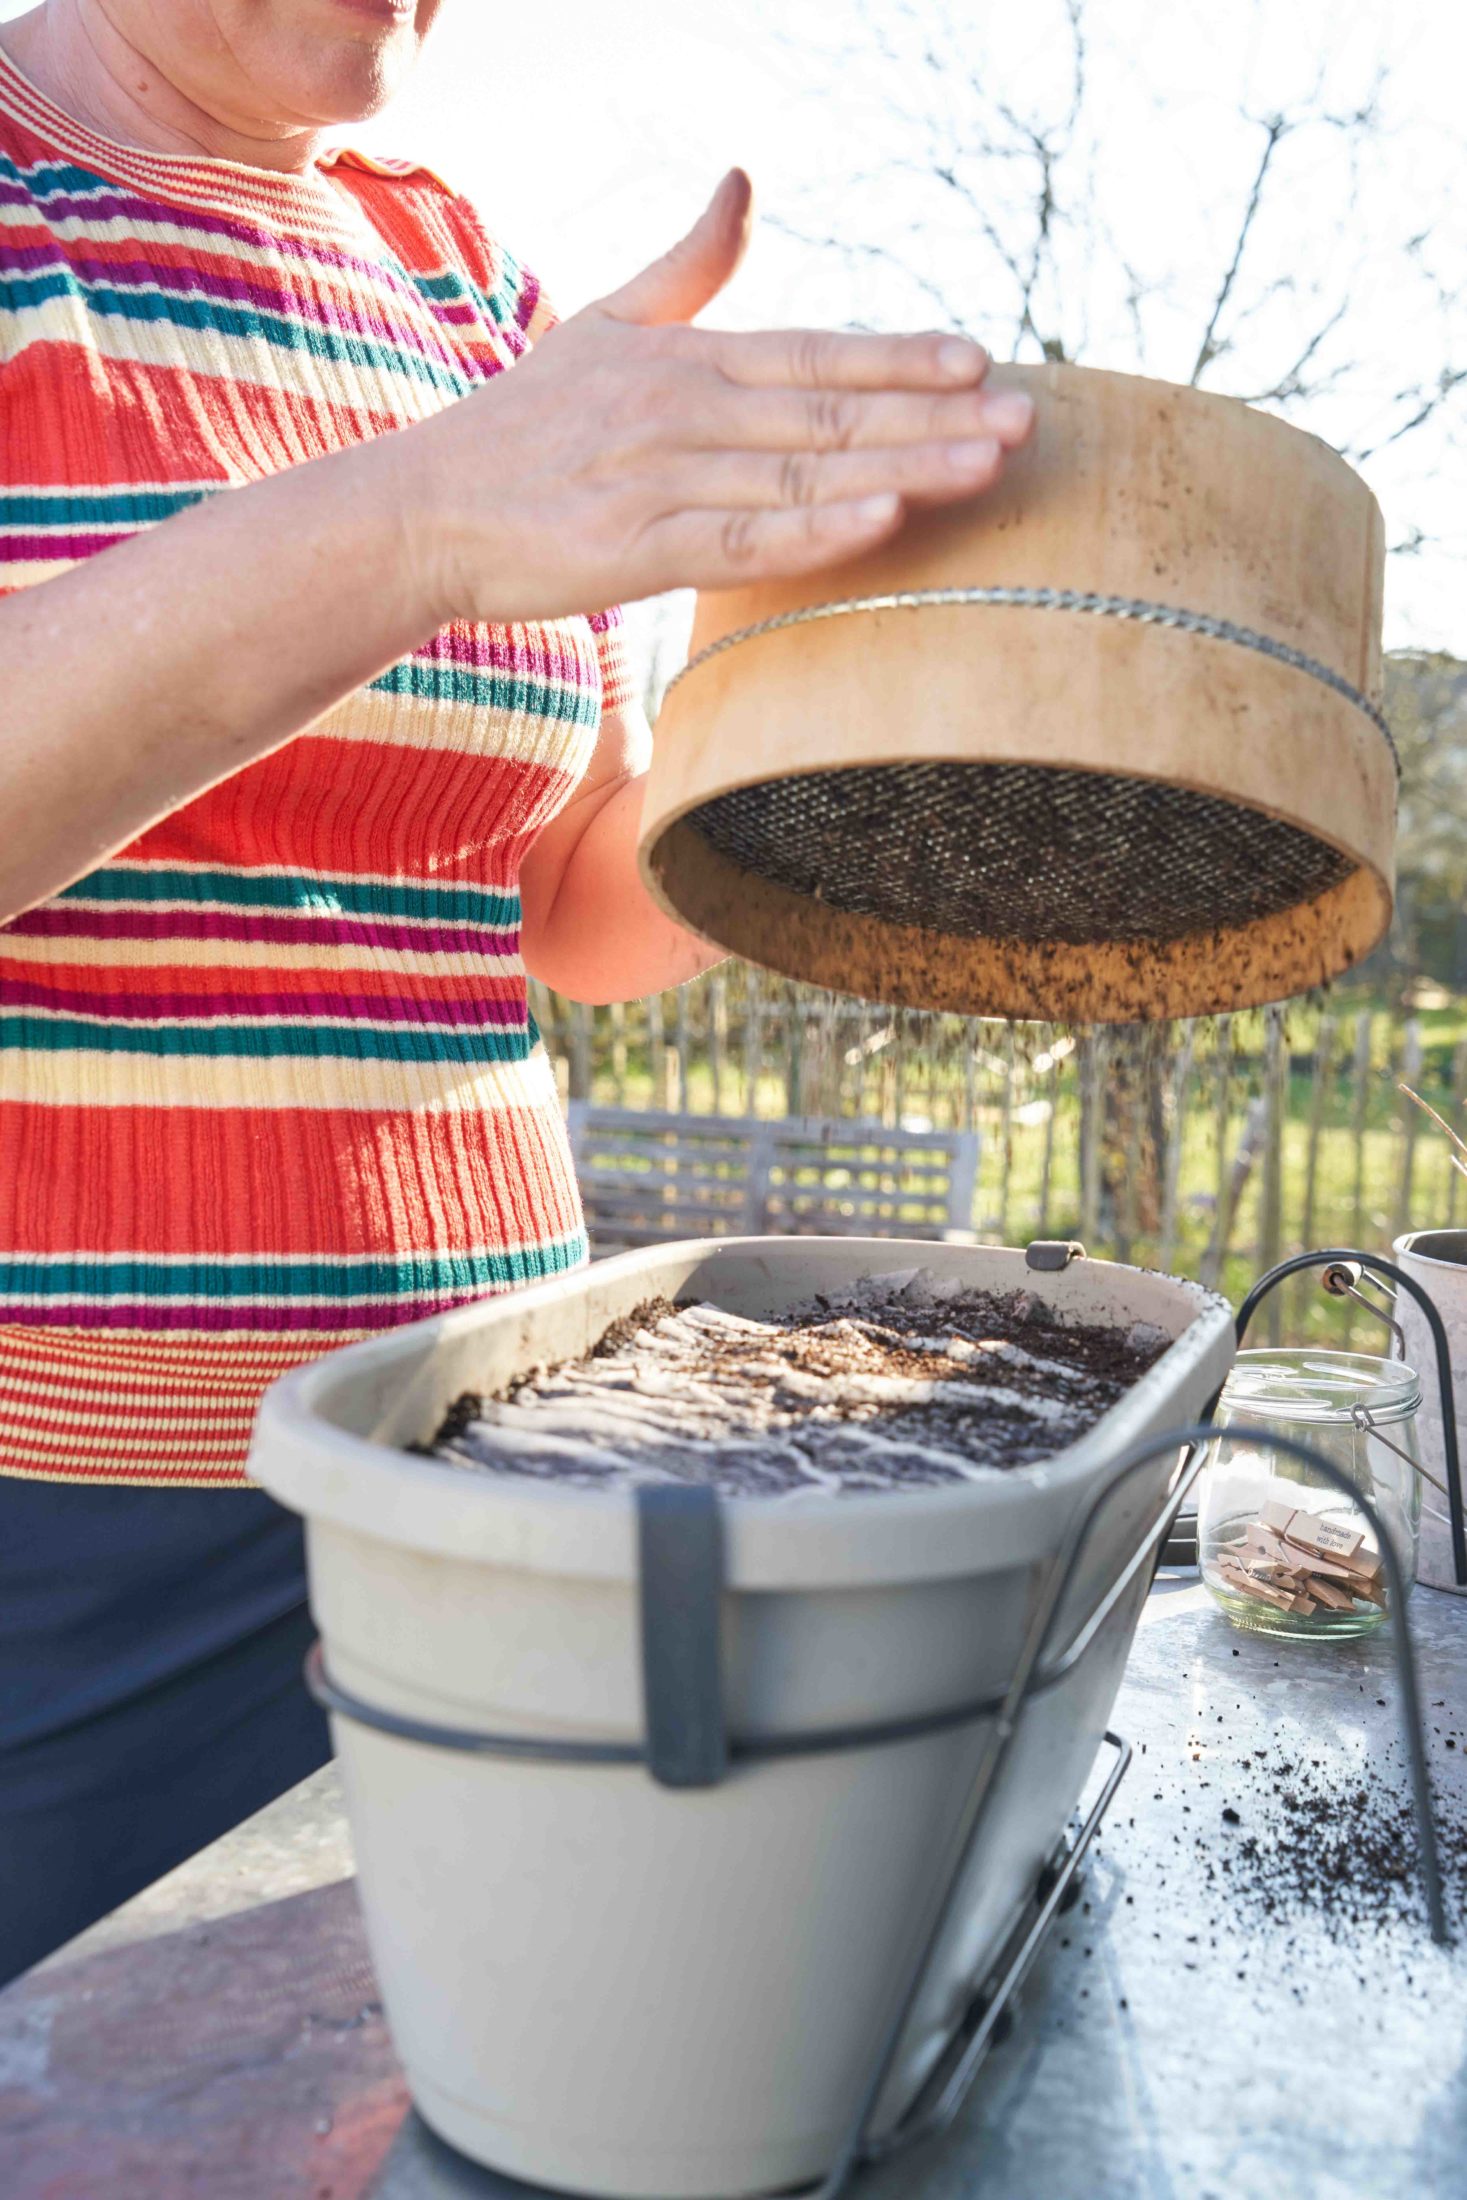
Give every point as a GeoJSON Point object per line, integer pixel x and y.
{"type": "Point", "coordinates": [590, 135]}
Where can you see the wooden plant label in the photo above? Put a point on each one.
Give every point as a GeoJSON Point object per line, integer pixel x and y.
{"type": "Point", "coordinates": [1324, 1536]}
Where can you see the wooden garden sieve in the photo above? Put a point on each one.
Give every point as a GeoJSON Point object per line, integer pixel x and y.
{"type": "Point", "coordinates": [1104, 744]}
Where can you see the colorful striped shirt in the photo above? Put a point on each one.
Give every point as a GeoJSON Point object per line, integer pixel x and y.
{"type": "Point", "coordinates": [268, 1078]}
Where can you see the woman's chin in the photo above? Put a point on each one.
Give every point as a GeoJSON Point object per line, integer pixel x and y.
{"type": "Point", "coordinates": [343, 59]}
{"type": "Point", "coordinates": [353, 79]}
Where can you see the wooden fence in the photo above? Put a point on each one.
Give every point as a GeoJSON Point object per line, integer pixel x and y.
{"type": "Point", "coordinates": [1211, 1148]}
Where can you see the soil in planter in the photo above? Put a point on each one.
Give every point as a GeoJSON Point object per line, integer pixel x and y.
{"type": "Point", "coordinates": [907, 1382]}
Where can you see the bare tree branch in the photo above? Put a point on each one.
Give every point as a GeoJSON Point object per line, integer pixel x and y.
{"type": "Point", "coordinates": [1427, 406]}
{"type": "Point", "coordinates": [1275, 129]}
{"type": "Point", "coordinates": [1014, 222]}
{"type": "Point", "coordinates": [858, 248]}
{"type": "Point", "coordinates": [1291, 383]}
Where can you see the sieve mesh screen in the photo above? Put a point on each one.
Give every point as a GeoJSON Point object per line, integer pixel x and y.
{"type": "Point", "coordinates": [1019, 851]}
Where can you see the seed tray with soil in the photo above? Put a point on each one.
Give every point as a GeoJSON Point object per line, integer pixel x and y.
{"type": "Point", "coordinates": [555, 1960]}
{"type": "Point", "coordinates": [902, 1383]}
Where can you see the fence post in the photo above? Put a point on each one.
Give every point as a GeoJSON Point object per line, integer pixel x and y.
{"type": "Point", "coordinates": [544, 1008]}
{"type": "Point", "coordinates": [1171, 1180]}
{"type": "Point", "coordinates": [659, 1054]}
{"type": "Point", "coordinates": [959, 1102]}
{"type": "Point", "coordinates": [794, 1059]}
{"type": "Point", "coordinates": [1046, 1166]}
{"type": "Point", "coordinates": [900, 1048]}
{"type": "Point", "coordinates": [617, 1017]}
{"type": "Point", "coordinates": [1359, 1105]}
{"type": "Point", "coordinates": [1324, 1052]}
{"type": "Point", "coordinates": [753, 1036]}
{"type": "Point", "coordinates": [716, 997]}
{"type": "Point", "coordinates": [1125, 1210]}
{"type": "Point", "coordinates": [1222, 1106]}
{"type": "Point", "coordinates": [1411, 1060]}
{"type": "Point", "coordinates": [851, 1070]}
{"type": "Point", "coordinates": [1255, 1126]}
{"type": "Point", "coordinates": [827, 1060]}
{"type": "Point", "coordinates": [1459, 1094]}
{"type": "Point", "coordinates": [1271, 1190]}
{"type": "Point", "coordinates": [1324, 1048]}
{"type": "Point", "coordinates": [580, 1051]}
{"type": "Point", "coordinates": [1092, 1055]}
{"type": "Point", "coordinates": [680, 1042]}
{"type": "Point", "coordinates": [1006, 1136]}
{"type": "Point", "coordinates": [932, 1043]}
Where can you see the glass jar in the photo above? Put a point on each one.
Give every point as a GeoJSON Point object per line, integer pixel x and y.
{"type": "Point", "coordinates": [1283, 1551]}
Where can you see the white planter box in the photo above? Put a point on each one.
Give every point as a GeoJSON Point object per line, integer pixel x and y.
{"type": "Point", "coordinates": [607, 1986]}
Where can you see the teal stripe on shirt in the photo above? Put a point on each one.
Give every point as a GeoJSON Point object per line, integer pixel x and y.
{"type": "Point", "coordinates": [212, 316]}
{"type": "Point", "coordinates": [488, 1047]}
{"type": "Point", "coordinates": [434, 681]}
{"type": "Point", "coordinates": [312, 895]}
{"type": "Point", "coordinates": [75, 508]}
{"type": "Point", "coordinates": [368, 1276]}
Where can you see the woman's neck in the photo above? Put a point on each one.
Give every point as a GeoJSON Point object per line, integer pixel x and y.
{"type": "Point", "coordinates": [78, 57]}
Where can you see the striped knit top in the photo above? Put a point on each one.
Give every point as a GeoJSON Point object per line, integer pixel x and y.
{"type": "Point", "coordinates": [268, 1079]}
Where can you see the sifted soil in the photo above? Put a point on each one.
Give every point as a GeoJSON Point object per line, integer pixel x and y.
{"type": "Point", "coordinates": [1307, 1838]}
{"type": "Point", "coordinates": [904, 1383]}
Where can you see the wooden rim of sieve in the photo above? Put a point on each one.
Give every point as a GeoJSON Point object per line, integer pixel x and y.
{"type": "Point", "coordinates": [1168, 611]}
{"type": "Point", "coordinates": [1333, 781]}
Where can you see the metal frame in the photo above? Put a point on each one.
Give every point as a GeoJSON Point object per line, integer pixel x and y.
{"type": "Point", "coordinates": [989, 2016]}
{"type": "Point", "coordinates": [1337, 1259]}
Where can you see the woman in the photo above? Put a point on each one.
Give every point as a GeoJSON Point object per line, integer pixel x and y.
{"type": "Point", "coordinates": [331, 746]}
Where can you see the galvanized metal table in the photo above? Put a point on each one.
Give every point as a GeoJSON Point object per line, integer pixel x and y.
{"type": "Point", "coordinates": [220, 2035]}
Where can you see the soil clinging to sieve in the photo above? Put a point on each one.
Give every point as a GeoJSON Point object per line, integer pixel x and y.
{"type": "Point", "coordinates": [1020, 851]}
{"type": "Point", "coordinates": [906, 1382]}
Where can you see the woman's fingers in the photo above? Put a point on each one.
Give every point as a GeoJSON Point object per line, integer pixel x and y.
{"type": "Point", "coordinates": [692, 273]}
{"type": "Point", "coordinates": [846, 420]}
{"type": "Point", "coordinates": [628, 454]}
{"type": "Point", "coordinates": [722, 549]}
{"type": "Point", "coordinates": [924, 473]}
{"type": "Point", "coordinates": [834, 359]}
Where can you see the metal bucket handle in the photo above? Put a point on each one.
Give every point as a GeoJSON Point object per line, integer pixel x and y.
{"type": "Point", "coordinates": [1378, 1267]}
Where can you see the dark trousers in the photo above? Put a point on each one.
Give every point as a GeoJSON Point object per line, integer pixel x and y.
{"type": "Point", "coordinates": [151, 1643]}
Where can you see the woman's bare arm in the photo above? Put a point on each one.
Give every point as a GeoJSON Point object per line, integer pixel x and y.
{"type": "Point", "coordinates": [591, 929]}
{"type": "Point", "coordinates": [146, 673]}
{"type": "Point", "coordinates": [628, 453]}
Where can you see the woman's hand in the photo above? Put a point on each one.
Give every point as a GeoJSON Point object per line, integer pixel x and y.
{"type": "Point", "coordinates": [629, 453]}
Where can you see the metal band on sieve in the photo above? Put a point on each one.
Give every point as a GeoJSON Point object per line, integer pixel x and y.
{"type": "Point", "coordinates": [1063, 599]}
